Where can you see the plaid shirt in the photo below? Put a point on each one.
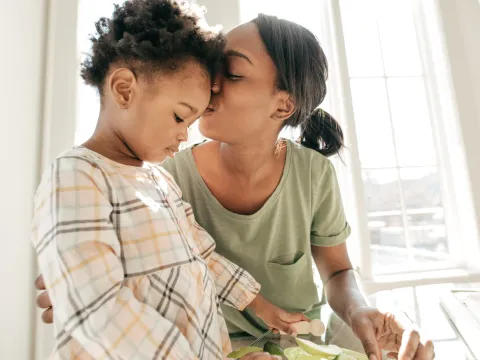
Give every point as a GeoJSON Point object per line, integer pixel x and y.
{"type": "Point", "coordinates": [130, 273]}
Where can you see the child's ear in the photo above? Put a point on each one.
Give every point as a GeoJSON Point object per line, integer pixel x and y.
{"type": "Point", "coordinates": [122, 84]}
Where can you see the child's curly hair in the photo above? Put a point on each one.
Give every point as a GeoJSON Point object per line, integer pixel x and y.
{"type": "Point", "coordinates": [146, 35]}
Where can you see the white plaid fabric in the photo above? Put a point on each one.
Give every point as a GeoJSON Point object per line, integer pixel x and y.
{"type": "Point", "coordinates": [129, 272]}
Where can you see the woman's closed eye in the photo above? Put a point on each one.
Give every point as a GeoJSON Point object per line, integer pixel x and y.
{"type": "Point", "coordinates": [232, 76]}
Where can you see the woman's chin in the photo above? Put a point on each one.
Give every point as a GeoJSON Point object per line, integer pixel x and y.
{"type": "Point", "coordinates": [206, 127]}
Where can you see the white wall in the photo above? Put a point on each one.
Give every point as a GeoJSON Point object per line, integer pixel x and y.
{"type": "Point", "coordinates": [38, 120]}
{"type": "Point", "coordinates": [59, 112]}
{"type": "Point", "coordinates": [22, 25]}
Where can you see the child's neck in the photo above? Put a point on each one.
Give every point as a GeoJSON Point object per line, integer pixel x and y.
{"type": "Point", "coordinates": [110, 144]}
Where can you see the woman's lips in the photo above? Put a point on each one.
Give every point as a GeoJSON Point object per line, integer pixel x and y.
{"type": "Point", "coordinates": [209, 110]}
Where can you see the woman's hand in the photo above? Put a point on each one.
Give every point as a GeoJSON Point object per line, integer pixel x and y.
{"type": "Point", "coordinates": [43, 301]}
{"type": "Point", "coordinates": [275, 317]}
{"type": "Point", "coordinates": [383, 331]}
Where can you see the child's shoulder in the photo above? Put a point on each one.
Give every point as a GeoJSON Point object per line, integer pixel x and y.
{"type": "Point", "coordinates": [73, 164]}
{"type": "Point", "coordinates": [77, 158]}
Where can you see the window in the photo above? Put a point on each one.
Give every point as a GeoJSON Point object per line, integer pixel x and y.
{"type": "Point", "coordinates": [399, 153]}
{"type": "Point", "coordinates": [395, 132]}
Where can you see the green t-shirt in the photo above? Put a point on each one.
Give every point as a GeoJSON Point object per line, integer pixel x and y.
{"type": "Point", "coordinates": [274, 244]}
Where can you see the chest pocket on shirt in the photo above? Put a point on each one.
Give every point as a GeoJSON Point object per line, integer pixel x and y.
{"type": "Point", "coordinates": [287, 274]}
{"type": "Point", "coordinates": [288, 259]}
{"type": "Point", "coordinates": [287, 267]}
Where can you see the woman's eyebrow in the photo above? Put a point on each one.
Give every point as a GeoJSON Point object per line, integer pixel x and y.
{"type": "Point", "coordinates": [238, 54]}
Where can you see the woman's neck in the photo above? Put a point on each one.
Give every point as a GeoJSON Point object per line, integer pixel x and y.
{"type": "Point", "coordinates": [252, 161]}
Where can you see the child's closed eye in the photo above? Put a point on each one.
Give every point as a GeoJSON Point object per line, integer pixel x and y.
{"type": "Point", "coordinates": [178, 119]}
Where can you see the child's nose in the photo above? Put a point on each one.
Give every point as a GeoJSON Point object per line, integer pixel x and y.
{"type": "Point", "coordinates": [183, 135]}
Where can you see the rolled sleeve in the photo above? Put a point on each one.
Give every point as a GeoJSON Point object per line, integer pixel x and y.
{"type": "Point", "coordinates": [329, 224]}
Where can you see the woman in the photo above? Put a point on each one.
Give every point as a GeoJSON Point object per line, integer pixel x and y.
{"type": "Point", "coordinates": [274, 205]}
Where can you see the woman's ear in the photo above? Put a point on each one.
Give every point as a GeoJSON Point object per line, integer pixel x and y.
{"type": "Point", "coordinates": [285, 107]}
{"type": "Point", "coordinates": [122, 85]}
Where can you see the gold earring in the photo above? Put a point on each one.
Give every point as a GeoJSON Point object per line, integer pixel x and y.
{"type": "Point", "coordinates": [279, 145]}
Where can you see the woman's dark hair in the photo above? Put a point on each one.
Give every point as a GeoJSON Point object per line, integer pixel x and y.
{"type": "Point", "coordinates": [150, 35]}
{"type": "Point", "coordinates": [302, 71]}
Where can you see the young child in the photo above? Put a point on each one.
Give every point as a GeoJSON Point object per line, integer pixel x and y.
{"type": "Point", "coordinates": [129, 272]}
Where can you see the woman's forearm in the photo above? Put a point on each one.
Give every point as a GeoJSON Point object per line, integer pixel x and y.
{"type": "Point", "coordinates": [342, 286]}
{"type": "Point", "coordinates": [344, 294]}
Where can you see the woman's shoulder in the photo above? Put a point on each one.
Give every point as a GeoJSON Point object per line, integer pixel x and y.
{"type": "Point", "coordinates": [182, 166]}
{"type": "Point", "coordinates": [308, 160]}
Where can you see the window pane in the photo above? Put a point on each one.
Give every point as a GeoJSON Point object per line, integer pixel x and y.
{"type": "Point", "coordinates": [372, 121]}
{"type": "Point", "coordinates": [398, 38]}
{"type": "Point", "coordinates": [382, 190]}
{"type": "Point", "coordinates": [390, 259]}
{"type": "Point", "coordinates": [429, 241]}
{"type": "Point", "coordinates": [386, 229]}
{"type": "Point", "coordinates": [426, 220]}
{"type": "Point", "coordinates": [421, 187]}
{"type": "Point", "coordinates": [384, 217]}
{"type": "Point", "coordinates": [361, 38]}
{"type": "Point", "coordinates": [411, 122]}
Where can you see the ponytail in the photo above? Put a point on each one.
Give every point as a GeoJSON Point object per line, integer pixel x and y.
{"type": "Point", "coordinates": [302, 72]}
{"type": "Point", "coordinates": [322, 133]}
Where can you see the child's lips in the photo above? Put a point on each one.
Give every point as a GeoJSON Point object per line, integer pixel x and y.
{"type": "Point", "coordinates": [172, 150]}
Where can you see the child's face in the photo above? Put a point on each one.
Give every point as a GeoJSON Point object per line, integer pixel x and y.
{"type": "Point", "coordinates": [156, 113]}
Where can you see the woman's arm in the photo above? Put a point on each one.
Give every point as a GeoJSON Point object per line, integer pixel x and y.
{"type": "Point", "coordinates": [340, 280]}
{"type": "Point", "coordinates": [375, 329]}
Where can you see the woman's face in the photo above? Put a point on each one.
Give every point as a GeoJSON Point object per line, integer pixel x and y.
{"type": "Point", "coordinates": [242, 108]}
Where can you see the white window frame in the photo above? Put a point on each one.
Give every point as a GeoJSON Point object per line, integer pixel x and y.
{"type": "Point", "coordinates": [442, 116]}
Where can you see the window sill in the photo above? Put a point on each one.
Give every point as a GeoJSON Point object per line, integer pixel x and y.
{"type": "Point", "coordinates": [388, 282]}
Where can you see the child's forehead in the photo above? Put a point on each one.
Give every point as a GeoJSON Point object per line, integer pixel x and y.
{"type": "Point", "coordinates": [188, 84]}
{"type": "Point", "coordinates": [191, 74]}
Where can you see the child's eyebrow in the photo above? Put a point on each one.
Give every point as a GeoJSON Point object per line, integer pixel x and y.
{"type": "Point", "coordinates": [192, 109]}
